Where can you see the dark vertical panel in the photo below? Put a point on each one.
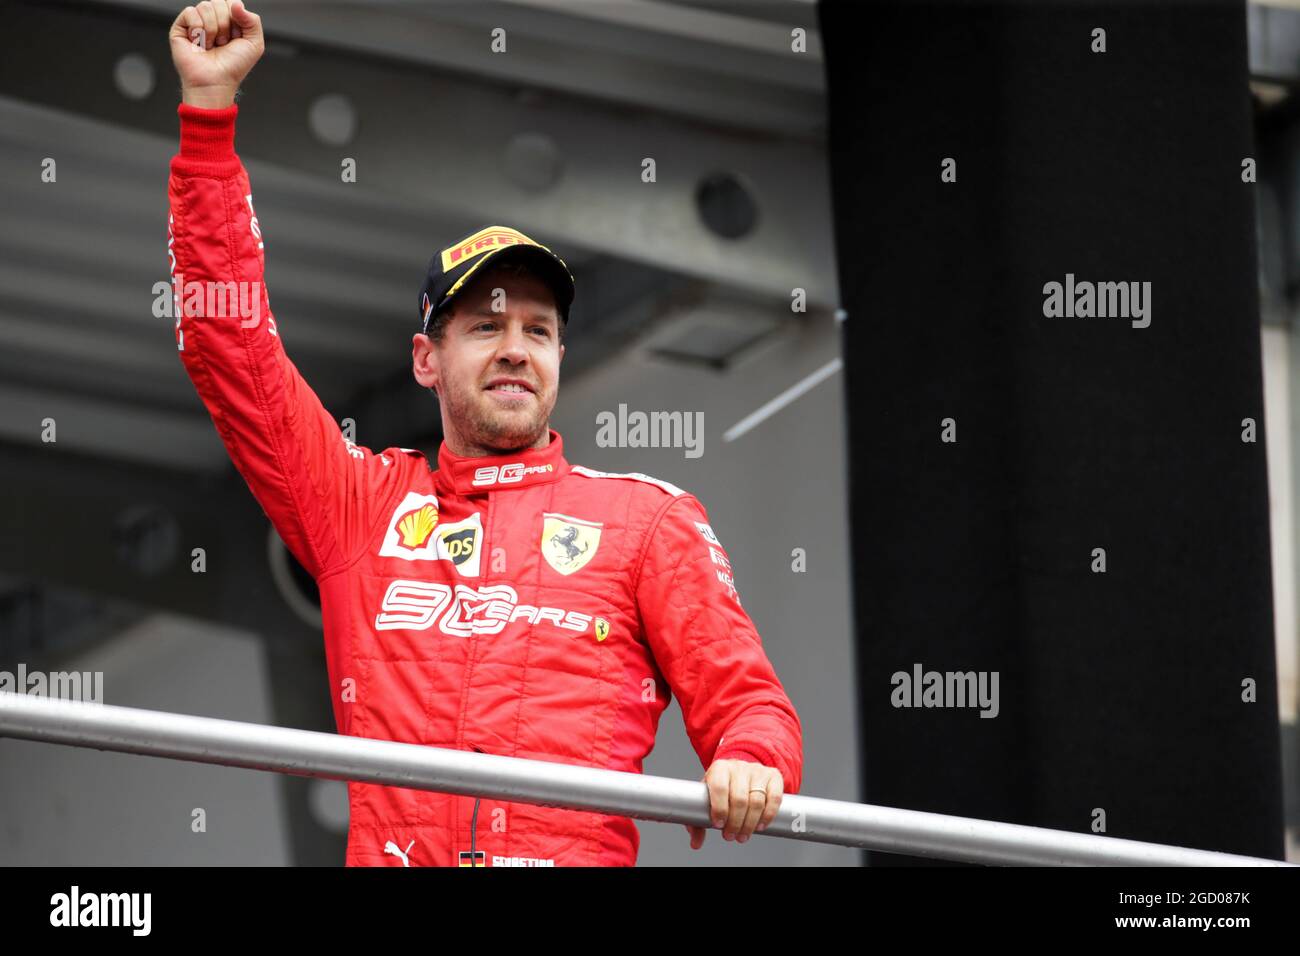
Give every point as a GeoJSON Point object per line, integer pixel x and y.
{"type": "Point", "coordinates": [1119, 690]}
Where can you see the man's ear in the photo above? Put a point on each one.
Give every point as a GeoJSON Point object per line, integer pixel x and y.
{"type": "Point", "coordinates": [561, 351]}
{"type": "Point", "coordinates": [425, 365]}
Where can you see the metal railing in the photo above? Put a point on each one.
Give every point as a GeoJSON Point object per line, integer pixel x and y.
{"type": "Point", "coordinates": [338, 757]}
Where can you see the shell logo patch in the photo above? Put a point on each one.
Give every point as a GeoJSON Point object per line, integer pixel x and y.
{"type": "Point", "coordinates": [601, 626]}
{"type": "Point", "coordinates": [410, 534]}
{"type": "Point", "coordinates": [569, 543]}
{"type": "Point", "coordinates": [414, 527]}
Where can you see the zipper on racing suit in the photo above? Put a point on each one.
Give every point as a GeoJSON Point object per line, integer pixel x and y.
{"type": "Point", "coordinates": [464, 702]}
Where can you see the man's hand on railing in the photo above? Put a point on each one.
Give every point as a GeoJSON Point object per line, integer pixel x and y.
{"type": "Point", "coordinates": [743, 797]}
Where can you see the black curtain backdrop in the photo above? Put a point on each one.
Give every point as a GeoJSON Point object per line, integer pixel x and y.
{"type": "Point", "coordinates": [1118, 691]}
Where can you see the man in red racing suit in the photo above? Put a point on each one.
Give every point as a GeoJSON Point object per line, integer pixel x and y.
{"type": "Point", "coordinates": [511, 604]}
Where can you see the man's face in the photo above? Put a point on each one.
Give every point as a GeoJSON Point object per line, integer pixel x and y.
{"type": "Point", "coordinates": [497, 368]}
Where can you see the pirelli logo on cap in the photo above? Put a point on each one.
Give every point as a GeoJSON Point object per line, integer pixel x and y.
{"type": "Point", "coordinates": [485, 240]}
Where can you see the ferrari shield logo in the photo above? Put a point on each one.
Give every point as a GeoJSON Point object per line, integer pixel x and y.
{"type": "Point", "coordinates": [569, 543]}
{"type": "Point", "coordinates": [602, 628]}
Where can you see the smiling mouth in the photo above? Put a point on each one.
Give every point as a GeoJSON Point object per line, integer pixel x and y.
{"type": "Point", "coordinates": [513, 394]}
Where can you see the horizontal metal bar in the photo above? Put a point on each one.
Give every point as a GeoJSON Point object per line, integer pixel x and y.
{"type": "Point", "coordinates": [340, 757]}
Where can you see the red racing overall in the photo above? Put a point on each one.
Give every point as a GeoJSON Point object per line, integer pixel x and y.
{"type": "Point", "coordinates": [515, 605]}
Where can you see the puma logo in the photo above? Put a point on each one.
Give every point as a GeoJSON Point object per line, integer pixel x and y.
{"type": "Point", "coordinates": [391, 847]}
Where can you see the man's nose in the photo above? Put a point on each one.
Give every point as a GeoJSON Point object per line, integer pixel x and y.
{"type": "Point", "coordinates": [513, 347]}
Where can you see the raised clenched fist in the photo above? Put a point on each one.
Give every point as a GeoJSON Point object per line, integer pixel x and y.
{"type": "Point", "coordinates": [214, 46]}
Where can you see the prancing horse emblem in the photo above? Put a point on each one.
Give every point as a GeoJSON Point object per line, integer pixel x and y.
{"type": "Point", "coordinates": [569, 543]}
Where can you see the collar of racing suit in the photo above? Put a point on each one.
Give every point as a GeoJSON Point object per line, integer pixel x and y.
{"type": "Point", "coordinates": [476, 476]}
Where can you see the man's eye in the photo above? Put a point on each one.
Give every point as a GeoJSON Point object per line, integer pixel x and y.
{"type": "Point", "coordinates": [485, 325]}
{"type": "Point", "coordinates": [543, 329]}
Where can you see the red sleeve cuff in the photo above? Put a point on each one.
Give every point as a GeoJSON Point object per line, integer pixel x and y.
{"type": "Point", "coordinates": [743, 752]}
{"type": "Point", "coordinates": [207, 140]}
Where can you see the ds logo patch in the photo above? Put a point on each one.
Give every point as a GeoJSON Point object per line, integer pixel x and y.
{"type": "Point", "coordinates": [459, 544]}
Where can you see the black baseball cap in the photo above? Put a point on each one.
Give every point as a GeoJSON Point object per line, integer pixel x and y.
{"type": "Point", "coordinates": [450, 269]}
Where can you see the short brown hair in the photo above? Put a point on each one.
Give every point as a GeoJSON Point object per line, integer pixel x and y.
{"type": "Point", "coordinates": [438, 324]}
